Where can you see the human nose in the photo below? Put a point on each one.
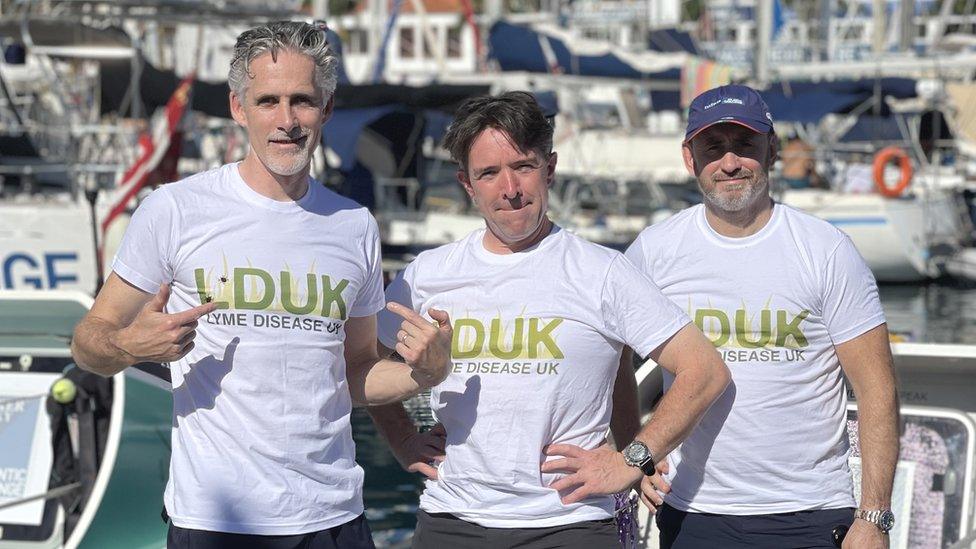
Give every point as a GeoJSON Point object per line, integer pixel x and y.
{"type": "Point", "coordinates": [730, 162]}
{"type": "Point", "coordinates": [510, 185]}
{"type": "Point", "coordinates": [285, 117]}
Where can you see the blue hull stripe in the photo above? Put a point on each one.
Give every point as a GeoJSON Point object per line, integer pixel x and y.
{"type": "Point", "coordinates": [859, 221]}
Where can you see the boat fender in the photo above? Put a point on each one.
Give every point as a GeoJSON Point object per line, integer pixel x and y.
{"type": "Point", "coordinates": [881, 160]}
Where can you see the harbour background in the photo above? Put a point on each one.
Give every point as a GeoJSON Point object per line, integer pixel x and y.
{"type": "Point", "coordinates": [938, 312]}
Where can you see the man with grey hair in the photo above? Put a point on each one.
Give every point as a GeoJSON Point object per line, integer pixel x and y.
{"type": "Point", "coordinates": [260, 288]}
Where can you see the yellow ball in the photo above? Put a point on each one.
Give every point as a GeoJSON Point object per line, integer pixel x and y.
{"type": "Point", "coordinates": [64, 390]}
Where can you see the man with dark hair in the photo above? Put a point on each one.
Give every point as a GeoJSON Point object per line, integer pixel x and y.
{"type": "Point", "coordinates": [540, 318]}
{"type": "Point", "coordinates": [793, 308]}
{"type": "Point", "coordinates": [260, 287]}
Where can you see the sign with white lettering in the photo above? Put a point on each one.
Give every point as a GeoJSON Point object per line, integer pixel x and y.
{"type": "Point", "coordinates": [47, 247]}
{"type": "Point", "coordinates": [25, 440]}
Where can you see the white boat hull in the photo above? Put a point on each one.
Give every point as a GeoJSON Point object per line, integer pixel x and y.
{"type": "Point", "coordinates": [901, 239]}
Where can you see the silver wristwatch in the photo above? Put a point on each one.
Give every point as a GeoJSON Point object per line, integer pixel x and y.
{"type": "Point", "coordinates": [884, 519]}
{"type": "Point", "coordinates": [636, 454]}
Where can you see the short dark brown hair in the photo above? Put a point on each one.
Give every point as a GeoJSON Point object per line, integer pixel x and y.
{"type": "Point", "coordinates": [516, 113]}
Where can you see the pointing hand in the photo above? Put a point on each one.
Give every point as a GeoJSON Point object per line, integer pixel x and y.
{"type": "Point", "coordinates": [157, 336]}
{"type": "Point", "coordinates": [425, 346]}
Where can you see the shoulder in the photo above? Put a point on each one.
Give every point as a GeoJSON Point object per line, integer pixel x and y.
{"type": "Point", "coordinates": [663, 233]}
{"type": "Point", "coordinates": [810, 230]}
{"type": "Point", "coordinates": [449, 253]}
{"type": "Point", "coordinates": [327, 196]}
{"type": "Point", "coordinates": [573, 244]}
{"type": "Point", "coordinates": [195, 187]}
{"type": "Point", "coordinates": [329, 202]}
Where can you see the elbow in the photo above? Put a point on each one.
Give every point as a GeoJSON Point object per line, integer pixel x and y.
{"type": "Point", "coordinates": [718, 380]}
{"type": "Point", "coordinates": [79, 356]}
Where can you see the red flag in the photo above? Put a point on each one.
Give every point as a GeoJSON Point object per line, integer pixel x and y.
{"type": "Point", "coordinates": [162, 144]}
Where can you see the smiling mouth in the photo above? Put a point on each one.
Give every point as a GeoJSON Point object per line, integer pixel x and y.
{"type": "Point", "coordinates": [730, 179]}
{"type": "Point", "coordinates": [297, 142]}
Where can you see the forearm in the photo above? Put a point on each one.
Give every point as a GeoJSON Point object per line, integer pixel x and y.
{"type": "Point", "coordinates": [878, 434]}
{"type": "Point", "coordinates": [867, 363]}
{"type": "Point", "coordinates": [96, 347]}
{"type": "Point", "coordinates": [384, 381]}
{"type": "Point", "coordinates": [686, 401]}
{"type": "Point", "coordinates": [392, 422]}
{"type": "Point", "coordinates": [625, 417]}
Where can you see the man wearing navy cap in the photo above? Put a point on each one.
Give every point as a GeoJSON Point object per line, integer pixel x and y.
{"type": "Point", "coordinates": [792, 308]}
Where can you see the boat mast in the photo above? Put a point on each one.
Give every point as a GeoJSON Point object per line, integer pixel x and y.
{"type": "Point", "coordinates": [878, 28]}
{"type": "Point", "coordinates": [764, 34]}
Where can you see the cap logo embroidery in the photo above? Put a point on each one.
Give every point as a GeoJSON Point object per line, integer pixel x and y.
{"type": "Point", "coordinates": [725, 101]}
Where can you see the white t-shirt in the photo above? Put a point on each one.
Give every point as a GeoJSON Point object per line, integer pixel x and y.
{"type": "Point", "coordinates": [261, 436]}
{"type": "Point", "coordinates": [537, 340]}
{"type": "Point", "coordinates": [774, 303]}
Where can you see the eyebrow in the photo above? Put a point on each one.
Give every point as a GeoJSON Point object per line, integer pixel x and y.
{"type": "Point", "coordinates": [297, 95]}
{"type": "Point", "coordinates": [477, 172]}
{"type": "Point", "coordinates": [530, 159]}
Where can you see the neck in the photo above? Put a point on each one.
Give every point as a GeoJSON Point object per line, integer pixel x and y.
{"type": "Point", "coordinates": [745, 222]}
{"type": "Point", "coordinates": [498, 246]}
{"type": "Point", "coordinates": [283, 188]}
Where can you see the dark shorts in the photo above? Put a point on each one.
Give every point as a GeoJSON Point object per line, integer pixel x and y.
{"type": "Point", "coordinates": [354, 534]}
{"type": "Point", "coordinates": [808, 529]}
{"type": "Point", "coordinates": [442, 530]}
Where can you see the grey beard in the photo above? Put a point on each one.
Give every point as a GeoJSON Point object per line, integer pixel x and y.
{"type": "Point", "coordinates": [736, 203]}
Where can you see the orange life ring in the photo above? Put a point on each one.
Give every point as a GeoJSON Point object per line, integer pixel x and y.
{"type": "Point", "coordinates": [881, 160]}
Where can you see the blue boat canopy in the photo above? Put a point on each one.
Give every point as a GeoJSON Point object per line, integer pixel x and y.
{"type": "Point", "coordinates": [520, 48]}
{"type": "Point", "coordinates": [808, 101]}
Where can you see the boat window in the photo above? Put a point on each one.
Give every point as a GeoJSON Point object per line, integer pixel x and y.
{"type": "Point", "coordinates": [407, 43]}
{"type": "Point", "coordinates": [454, 42]}
{"type": "Point", "coordinates": [358, 41]}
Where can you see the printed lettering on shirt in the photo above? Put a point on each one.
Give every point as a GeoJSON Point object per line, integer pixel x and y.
{"type": "Point", "coordinates": [764, 335]}
{"type": "Point", "coordinates": [275, 301]}
{"type": "Point", "coordinates": [519, 346]}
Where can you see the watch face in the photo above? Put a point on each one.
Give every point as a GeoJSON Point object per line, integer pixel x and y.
{"type": "Point", "coordinates": [635, 452]}
{"type": "Point", "coordinates": [886, 521]}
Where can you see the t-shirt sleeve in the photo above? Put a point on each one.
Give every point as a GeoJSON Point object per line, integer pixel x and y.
{"type": "Point", "coordinates": [635, 311]}
{"type": "Point", "coordinates": [144, 259]}
{"type": "Point", "coordinates": [399, 291]}
{"type": "Point", "coordinates": [369, 300]}
{"type": "Point", "coordinates": [635, 253]}
{"type": "Point", "coordinates": [851, 304]}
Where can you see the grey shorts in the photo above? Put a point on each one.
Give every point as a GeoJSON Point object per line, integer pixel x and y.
{"type": "Point", "coordinates": [441, 530]}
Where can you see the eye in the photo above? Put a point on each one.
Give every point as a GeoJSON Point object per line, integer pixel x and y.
{"type": "Point", "coordinates": [267, 101]}
{"type": "Point", "coordinates": [526, 168]}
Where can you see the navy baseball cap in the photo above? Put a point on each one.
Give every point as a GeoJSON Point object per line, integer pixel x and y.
{"type": "Point", "coordinates": [733, 103]}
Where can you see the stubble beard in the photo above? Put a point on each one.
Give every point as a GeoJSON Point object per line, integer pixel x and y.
{"type": "Point", "coordinates": [286, 163]}
{"type": "Point", "coordinates": [747, 196]}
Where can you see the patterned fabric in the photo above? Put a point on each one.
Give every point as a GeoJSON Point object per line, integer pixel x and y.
{"type": "Point", "coordinates": [925, 448]}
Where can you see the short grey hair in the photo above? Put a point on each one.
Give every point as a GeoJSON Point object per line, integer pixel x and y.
{"type": "Point", "coordinates": [295, 36]}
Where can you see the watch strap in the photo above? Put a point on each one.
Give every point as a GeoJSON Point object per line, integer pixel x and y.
{"type": "Point", "coordinates": [875, 517]}
{"type": "Point", "coordinates": [647, 466]}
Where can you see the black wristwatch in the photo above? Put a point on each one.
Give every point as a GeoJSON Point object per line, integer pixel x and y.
{"type": "Point", "coordinates": [884, 519]}
{"type": "Point", "coordinates": [637, 455]}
